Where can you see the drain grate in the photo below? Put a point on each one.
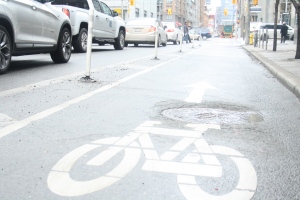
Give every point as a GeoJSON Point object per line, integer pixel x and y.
{"type": "Point", "coordinates": [212, 116]}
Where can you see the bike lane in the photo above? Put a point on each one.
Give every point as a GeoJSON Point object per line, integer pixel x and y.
{"type": "Point", "coordinates": [77, 133]}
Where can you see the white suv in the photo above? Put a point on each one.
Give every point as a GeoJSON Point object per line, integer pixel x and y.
{"type": "Point", "coordinates": [270, 27]}
{"type": "Point", "coordinates": [32, 27]}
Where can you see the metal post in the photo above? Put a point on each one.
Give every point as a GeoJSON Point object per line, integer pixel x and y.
{"type": "Point", "coordinates": [122, 10]}
{"type": "Point", "coordinates": [247, 28]}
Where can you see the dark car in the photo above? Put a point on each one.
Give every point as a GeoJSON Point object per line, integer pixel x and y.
{"type": "Point", "coordinates": [205, 32]}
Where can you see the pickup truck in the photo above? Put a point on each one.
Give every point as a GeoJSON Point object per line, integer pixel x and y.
{"type": "Point", "coordinates": [108, 27]}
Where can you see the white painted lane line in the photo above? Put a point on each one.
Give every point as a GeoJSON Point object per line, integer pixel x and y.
{"type": "Point", "coordinates": [20, 124]}
{"type": "Point", "coordinates": [66, 77]}
{"type": "Point", "coordinates": [60, 79]}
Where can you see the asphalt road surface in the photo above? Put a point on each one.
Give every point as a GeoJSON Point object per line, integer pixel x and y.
{"type": "Point", "coordinates": [206, 122]}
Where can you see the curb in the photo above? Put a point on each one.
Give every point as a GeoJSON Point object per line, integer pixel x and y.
{"type": "Point", "coordinates": [288, 79]}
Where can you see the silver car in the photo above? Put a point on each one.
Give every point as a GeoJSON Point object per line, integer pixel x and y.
{"type": "Point", "coordinates": [32, 27]}
{"type": "Point", "coordinates": [173, 32]}
{"type": "Point", "coordinates": [143, 30]}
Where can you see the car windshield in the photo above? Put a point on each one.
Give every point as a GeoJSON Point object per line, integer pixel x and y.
{"type": "Point", "coordinates": [141, 22]}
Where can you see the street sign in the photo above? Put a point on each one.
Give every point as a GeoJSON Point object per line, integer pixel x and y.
{"type": "Point", "coordinates": [255, 9]}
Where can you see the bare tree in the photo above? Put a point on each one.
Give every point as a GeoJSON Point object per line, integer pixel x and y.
{"type": "Point", "coordinates": [275, 25]}
{"type": "Point", "coordinates": [296, 4]}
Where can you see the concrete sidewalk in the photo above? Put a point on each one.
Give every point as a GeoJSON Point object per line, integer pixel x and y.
{"type": "Point", "coordinates": [281, 63]}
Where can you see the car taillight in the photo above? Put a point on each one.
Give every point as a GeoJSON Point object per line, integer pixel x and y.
{"type": "Point", "coordinates": [170, 30]}
{"type": "Point", "coordinates": [66, 11]}
{"type": "Point", "coordinates": [152, 29]}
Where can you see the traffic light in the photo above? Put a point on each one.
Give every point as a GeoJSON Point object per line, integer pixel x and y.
{"type": "Point", "coordinates": [255, 2]}
{"type": "Point", "coordinates": [131, 2]}
{"type": "Point", "coordinates": [169, 11]}
{"type": "Point", "coordinates": [233, 1]}
{"type": "Point", "coordinates": [225, 12]}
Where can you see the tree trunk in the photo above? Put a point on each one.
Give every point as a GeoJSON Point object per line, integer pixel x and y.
{"type": "Point", "coordinates": [297, 8]}
{"type": "Point", "coordinates": [275, 25]}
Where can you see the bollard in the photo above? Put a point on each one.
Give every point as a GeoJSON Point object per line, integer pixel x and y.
{"type": "Point", "coordinates": [263, 38]}
{"type": "Point", "coordinates": [193, 38]}
{"type": "Point", "coordinates": [267, 39]}
{"type": "Point", "coordinates": [259, 35]}
{"type": "Point", "coordinates": [181, 36]}
{"type": "Point", "coordinates": [87, 77]}
{"type": "Point", "coordinates": [156, 42]}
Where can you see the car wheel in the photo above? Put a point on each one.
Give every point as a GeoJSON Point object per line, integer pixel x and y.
{"type": "Point", "coordinates": [80, 42]}
{"type": "Point", "coordinates": [126, 44]}
{"type": "Point", "coordinates": [119, 42]}
{"type": "Point", "coordinates": [5, 50]}
{"type": "Point", "coordinates": [159, 41]}
{"type": "Point", "coordinates": [136, 44]}
{"type": "Point", "coordinates": [292, 37]}
{"type": "Point", "coordinates": [176, 40]}
{"type": "Point", "coordinates": [64, 48]}
{"type": "Point", "coordinates": [204, 37]}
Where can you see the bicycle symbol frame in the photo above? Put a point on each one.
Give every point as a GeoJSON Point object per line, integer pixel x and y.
{"type": "Point", "coordinates": [138, 141]}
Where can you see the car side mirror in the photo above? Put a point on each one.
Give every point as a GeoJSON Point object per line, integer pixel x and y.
{"type": "Point", "coordinates": [115, 14]}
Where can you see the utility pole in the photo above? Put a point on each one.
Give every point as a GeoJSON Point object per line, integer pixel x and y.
{"type": "Point", "coordinates": [247, 24]}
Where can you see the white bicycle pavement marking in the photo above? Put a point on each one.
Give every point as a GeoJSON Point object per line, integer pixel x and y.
{"type": "Point", "coordinates": [60, 182]}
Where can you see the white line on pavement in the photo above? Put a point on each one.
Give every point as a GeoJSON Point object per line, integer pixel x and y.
{"type": "Point", "coordinates": [22, 123]}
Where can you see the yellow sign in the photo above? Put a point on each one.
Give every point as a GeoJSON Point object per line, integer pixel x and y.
{"type": "Point", "coordinates": [131, 2]}
{"type": "Point", "coordinates": [169, 11]}
{"type": "Point", "coordinates": [118, 10]}
{"type": "Point", "coordinates": [225, 12]}
{"type": "Point", "coordinates": [255, 2]}
{"type": "Point", "coordinates": [233, 1]}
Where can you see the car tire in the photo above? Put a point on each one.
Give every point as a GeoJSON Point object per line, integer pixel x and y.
{"type": "Point", "coordinates": [204, 37]}
{"type": "Point", "coordinates": [80, 42]}
{"type": "Point", "coordinates": [126, 44]}
{"type": "Point", "coordinates": [158, 41]}
{"type": "Point", "coordinates": [176, 40]}
{"type": "Point", "coordinates": [136, 44]}
{"type": "Point", "coordinates": [120, 41]}
{"type": "Point", "coordinates": [64, 47]}
{"type": "Point", "coordinates": [5, 50]}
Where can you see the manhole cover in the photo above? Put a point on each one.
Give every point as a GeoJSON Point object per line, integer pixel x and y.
{"type": "Point", "coordinates": [212, 116]}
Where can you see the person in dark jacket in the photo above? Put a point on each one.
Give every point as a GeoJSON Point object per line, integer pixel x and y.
{"type": "Point", "coordinates": [283, 32]}
{"type": "Point", "coordinates": [186, 32]}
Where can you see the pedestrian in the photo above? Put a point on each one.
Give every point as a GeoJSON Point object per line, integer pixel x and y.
{"type": "Point", "coordinates": [186, 32]}
{"type": "Point", "coordinates": [283, 31]}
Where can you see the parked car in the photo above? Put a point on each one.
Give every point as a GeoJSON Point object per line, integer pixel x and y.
{"type": "Point", "coordinates": [205, 33]}
{"type": "Point", "coordinates": [173, 32]}
{"type": "Point", "coordinates": [194, 35]}
{"type": "Point", "coordinates": [108, 27]}
{"type": "Point", "coordinates": [270, 27]}
{"type": "Point", "coordinates": [143, 30]}
{"type": "Point", "coordinates": [32, 27]}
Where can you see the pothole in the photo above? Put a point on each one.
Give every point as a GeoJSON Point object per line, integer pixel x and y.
{"type": "Point", "coordinates": [212, 116]}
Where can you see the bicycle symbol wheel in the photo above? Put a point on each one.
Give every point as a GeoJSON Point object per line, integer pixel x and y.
{"type": "Point", "coordinates": [244, 189]}
{"type": "Point", "coordinates": [60, 182]}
